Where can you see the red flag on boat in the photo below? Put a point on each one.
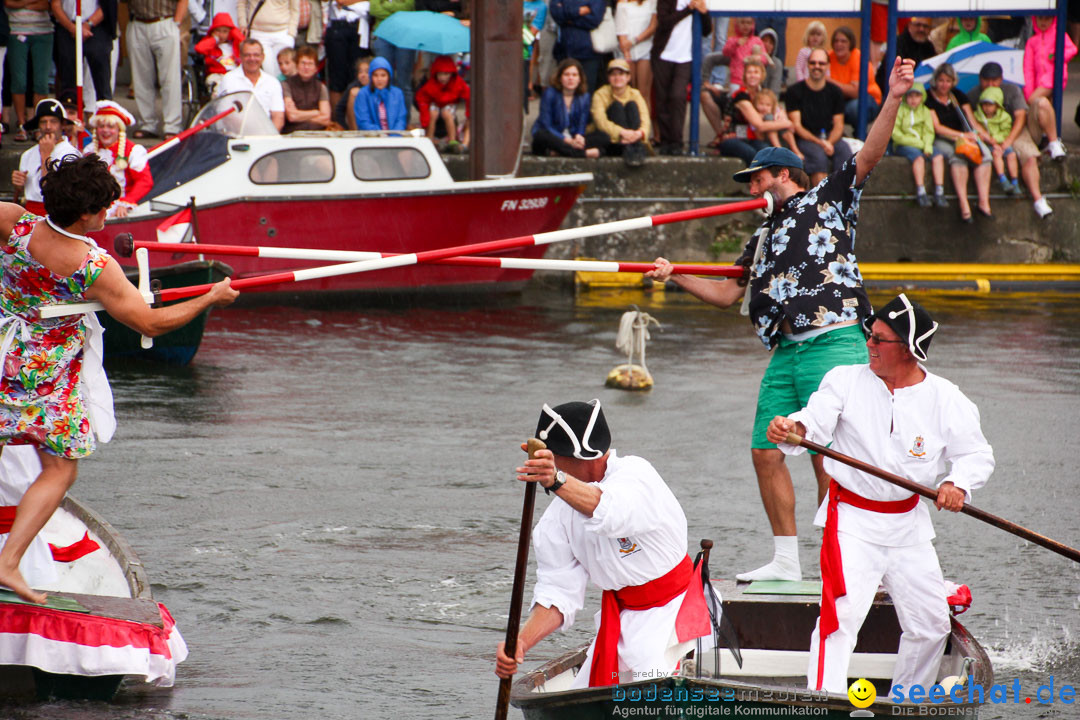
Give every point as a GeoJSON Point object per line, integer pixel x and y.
{"type": "Point", "coordinates": [176, 228]}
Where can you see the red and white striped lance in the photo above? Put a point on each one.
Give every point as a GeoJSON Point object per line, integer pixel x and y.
{"type": "Point", "coordinates": [285, 253]}
{"type": "Point", "coordinates": [431, 256]}
{"type": "Point", "coordinates": [174, 141]}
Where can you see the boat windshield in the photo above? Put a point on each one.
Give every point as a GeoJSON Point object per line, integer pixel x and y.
{"type": "Point", "coordinates": [247, 120]}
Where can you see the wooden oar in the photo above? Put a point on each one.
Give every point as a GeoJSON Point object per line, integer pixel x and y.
{"type": "Point", "coordinates": [124, 246]}
{"type": "Point", "coordinates": [1001, 523]}
{"type": "Point", "coordinates": [517, 594]}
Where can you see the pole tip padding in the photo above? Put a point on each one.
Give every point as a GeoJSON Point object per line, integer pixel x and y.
{"type": "Point", "coordinates": [769, 204]}
{"type": "Point", "coordinates": [706, 544]}
{"type": "Point", "coordinates": [124, 244]}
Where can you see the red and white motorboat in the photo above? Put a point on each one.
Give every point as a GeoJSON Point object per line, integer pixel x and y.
{"type": "Point", "coordinates": [239, 182]}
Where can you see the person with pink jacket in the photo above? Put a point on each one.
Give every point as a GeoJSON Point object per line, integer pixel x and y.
{"type": "Point", "coordinates": [1039, 78]}
{"type": "Point", "coordinates": [740, 46]}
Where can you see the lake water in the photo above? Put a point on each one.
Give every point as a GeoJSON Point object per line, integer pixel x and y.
{"type": "Point", "coordinates": [325, 499]}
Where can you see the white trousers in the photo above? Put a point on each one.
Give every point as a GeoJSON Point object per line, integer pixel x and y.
{"type": "Point", "coordinates": [154, 50]}
{"type": "Point", "coordinates": [912, 577]}
{"type": "Point", "coordinates": [273, 43]}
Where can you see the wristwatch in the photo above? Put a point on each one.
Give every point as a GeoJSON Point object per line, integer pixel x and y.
{"type": "Point", "coordinates": [560, 480]}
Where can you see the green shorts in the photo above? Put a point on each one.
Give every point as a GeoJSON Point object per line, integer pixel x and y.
{"type": "Point", "coordinates": [795, 372]}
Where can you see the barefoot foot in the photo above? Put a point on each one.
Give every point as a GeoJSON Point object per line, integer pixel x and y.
{"type": "Point", "coordinates": [12, 579]}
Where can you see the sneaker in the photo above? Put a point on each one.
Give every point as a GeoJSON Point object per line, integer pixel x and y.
{"type": "Point", "coordinates": [634, 155]}
{"type": "Point", "coordinates": [940, 201]}
{"type": "Point", "coordinates": [1014, 190]}
{"type": "Point", "coordinates": [1006, 186]}
{"type": "Point", "coordinates": [1057, 150]}
{"type": "Point", "coordinates": [923, 199]}
{"type": "Point", "coordinates": [1043, 209]}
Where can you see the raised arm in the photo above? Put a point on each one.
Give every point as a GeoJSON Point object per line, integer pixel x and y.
{"type": "Point", "coordinates": [900, 81]}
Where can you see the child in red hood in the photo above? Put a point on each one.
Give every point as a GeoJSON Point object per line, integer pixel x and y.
{"type": "Point", "coordinates": [221, 49]}
{"type": "Point", "coordinates": [440, 97]}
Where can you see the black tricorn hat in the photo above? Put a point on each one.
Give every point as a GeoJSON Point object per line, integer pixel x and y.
{"type": "Point", "coordinates": [909, 320]}
{"type": "Point", "coordinates": [575, 429]}
{"type": "Point", "coordinates": [49, 107]}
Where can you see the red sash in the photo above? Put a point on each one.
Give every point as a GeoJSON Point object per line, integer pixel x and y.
{"type": "Point", "coordinates": [832, 565]}
{"type": "Point", "coordinates": [71, 553]}
{"type": "Point", "coordinates": [691, 622]}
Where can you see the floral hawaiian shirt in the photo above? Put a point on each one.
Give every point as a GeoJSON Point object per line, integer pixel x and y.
{"type": "Point", "coordinates": [807, 272]}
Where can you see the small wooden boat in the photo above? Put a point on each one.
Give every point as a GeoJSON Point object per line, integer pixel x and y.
{"type": "Point", "coordinates": [100, 626]}
{"type": "Point", "coordinates": [239, 182]}
{"type": "Point", "coordinates": [774, 635]}
{"type": "Point", "coordinates": [179, 346]}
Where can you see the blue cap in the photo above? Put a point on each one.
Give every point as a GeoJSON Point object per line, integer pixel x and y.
{"type": "Point", "coordinates": [767, 158]}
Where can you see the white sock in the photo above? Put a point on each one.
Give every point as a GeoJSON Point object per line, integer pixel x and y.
{"type": "Point", "coordinates": [784, 565]}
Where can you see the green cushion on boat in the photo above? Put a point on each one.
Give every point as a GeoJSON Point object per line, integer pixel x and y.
{"type": "Point", "coordinates": [53, 603]}
{"type": "Point", "coordinates": [784, 587]}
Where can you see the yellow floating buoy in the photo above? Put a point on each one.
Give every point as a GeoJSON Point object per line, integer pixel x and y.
{"type": "Point", "coordinates": [629, 376]}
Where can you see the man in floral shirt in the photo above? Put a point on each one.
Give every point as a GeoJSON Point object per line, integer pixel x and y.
{"type": "Point", "coordinates": [805, 300]}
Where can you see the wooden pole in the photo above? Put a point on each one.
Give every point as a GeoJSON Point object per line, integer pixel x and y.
{"type": "Point", "coordinates": [502, 704]}
{"type": "Point", "coordinates": [1000, 523]}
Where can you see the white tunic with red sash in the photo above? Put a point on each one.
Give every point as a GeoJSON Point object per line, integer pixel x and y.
{"type": "Point", "coordinates": [877, 532]}
{"type": "Point", "coordinates": [635, 544]}
{"type": "Point", "coordinates": [135, 180]}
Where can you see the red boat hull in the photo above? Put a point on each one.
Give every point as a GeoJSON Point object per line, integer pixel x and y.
{"type": "Point", "coordinates": [387, 223]}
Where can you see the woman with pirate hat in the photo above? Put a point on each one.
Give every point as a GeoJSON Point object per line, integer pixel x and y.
{"type": "Point", "coordinates": [48, 122]}
{"type": "Point", "coordinates": [615, 523]}
{"type": "Point", "coordinates": [53, 392]}
{"type": "Point", "coordinates": [897, 415]}
{"type": "Point", "coordinates": [126, 159]}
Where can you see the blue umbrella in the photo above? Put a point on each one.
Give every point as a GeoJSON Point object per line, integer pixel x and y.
{"type": "Point", "coordinates": [968, 59]}
{"type": "Point", "coordinates": [431, 32]}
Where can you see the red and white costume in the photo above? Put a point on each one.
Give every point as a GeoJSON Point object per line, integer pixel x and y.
{"type": "Point", "coordinates": [882, 531]}
{"type": "Point", "coordinates": [126, 159]}
{"type": "Point", "coordinates": [634, 544]}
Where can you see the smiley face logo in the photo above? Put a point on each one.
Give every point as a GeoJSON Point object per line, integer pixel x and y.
{"type": "Point", "coordinates": [862, 693]}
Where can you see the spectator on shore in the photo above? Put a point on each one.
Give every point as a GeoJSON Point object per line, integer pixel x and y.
{"type": "Point", "coordinates": [816, 108]}
{"type": "Point", "coordinates": [845, 71]}
{"type": "Point", "coordinates": [96, 45]}
{"type": "Point", "coordinates": [740, 46]}
{"type": "Point", "coordinates": [564, 116]}
{"type": "Point", "coordinates": [768, 106]}
{"type": "Point", "coordinates": [748, 127]}
{"type": "Point", "coordinates": [672, 53]}
{"type": "Point", "coordinates": [251, 77]}
{"type": "Point", "coordinates": [48, 121]}
{"type": "Point", "coordinates": [441, 97]}
{"type": "Point", "coordinates": [1039, 77]}
{"type": "Point", "coordinates": [970, 31]}
{"type": "Point", "coordinates": [153, 46]}
{"type": "Point", "coordinates": [774, 66]}
{"type": "Point", "coordinates": [343, 114]}
{"type": "Point", "coordinates": [913, 138]}
{"type": "Point", "coordinates": [813, 37]}
{"type": "Point", "coordinates": [401, 59]}
{"type": "Point", "coordinates": [286, 62]}
{"type": "Point", "coordinates": [913, 43]}
{"type": "Point", "coordinates": [994, 126]}
{"type": "Point", "coordinates": [635, 25]}
{"type": "Point", "coordinates": [620, 111]}
{"type": "Point", "coordinates": [380, 105]}
{"type": "Point", "coordinates": [778, 25]}
{"type": "Point", "coordinates": [346, 29]}
{"type": "Point", "coordinates": [220, 49]}
{"type": "Point", "coordinates": [533, 17]}
{"type": "Point", "coordinates": [576, 20]}
{"type": "Point", "coordinates": [73, 129]}
{"type": "Point", "coordinates": [307, 102]}
{"type": "Point", "coordinates": [32, 29]}
{"type": "Point", "coordinates": [273, 23]}
{"type": "Point", "coordinates": [1020, 137]}
{"type": "Point", "coordinates": [953, 123]}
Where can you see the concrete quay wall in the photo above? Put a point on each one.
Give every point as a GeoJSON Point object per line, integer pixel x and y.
{"type": "Point", "coordinates": [892, 228]}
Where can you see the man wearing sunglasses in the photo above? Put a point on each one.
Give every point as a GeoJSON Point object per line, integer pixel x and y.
{"type": "Point", "coordinates": [613, 523]}
{"type": "Point", "coordinates": [895, 414]}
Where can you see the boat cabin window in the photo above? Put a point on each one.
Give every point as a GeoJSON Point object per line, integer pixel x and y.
{"type": "Point", "coordinates": [398, 163]}
{"type": "Point", "coordinates": [301, 165]}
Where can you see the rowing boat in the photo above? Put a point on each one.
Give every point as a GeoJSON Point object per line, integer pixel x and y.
{"type": "Point", "coordinates": [773, 622]}
{"type": "Point", "coordinates": [101, 624]}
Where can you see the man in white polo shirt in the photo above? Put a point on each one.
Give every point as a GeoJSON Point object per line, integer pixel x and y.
{"type": "Point", "coordinates": [250, 76]}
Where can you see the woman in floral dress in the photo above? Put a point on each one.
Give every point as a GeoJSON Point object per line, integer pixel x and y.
{"type": "Point", "coordinates": [42, 389]}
